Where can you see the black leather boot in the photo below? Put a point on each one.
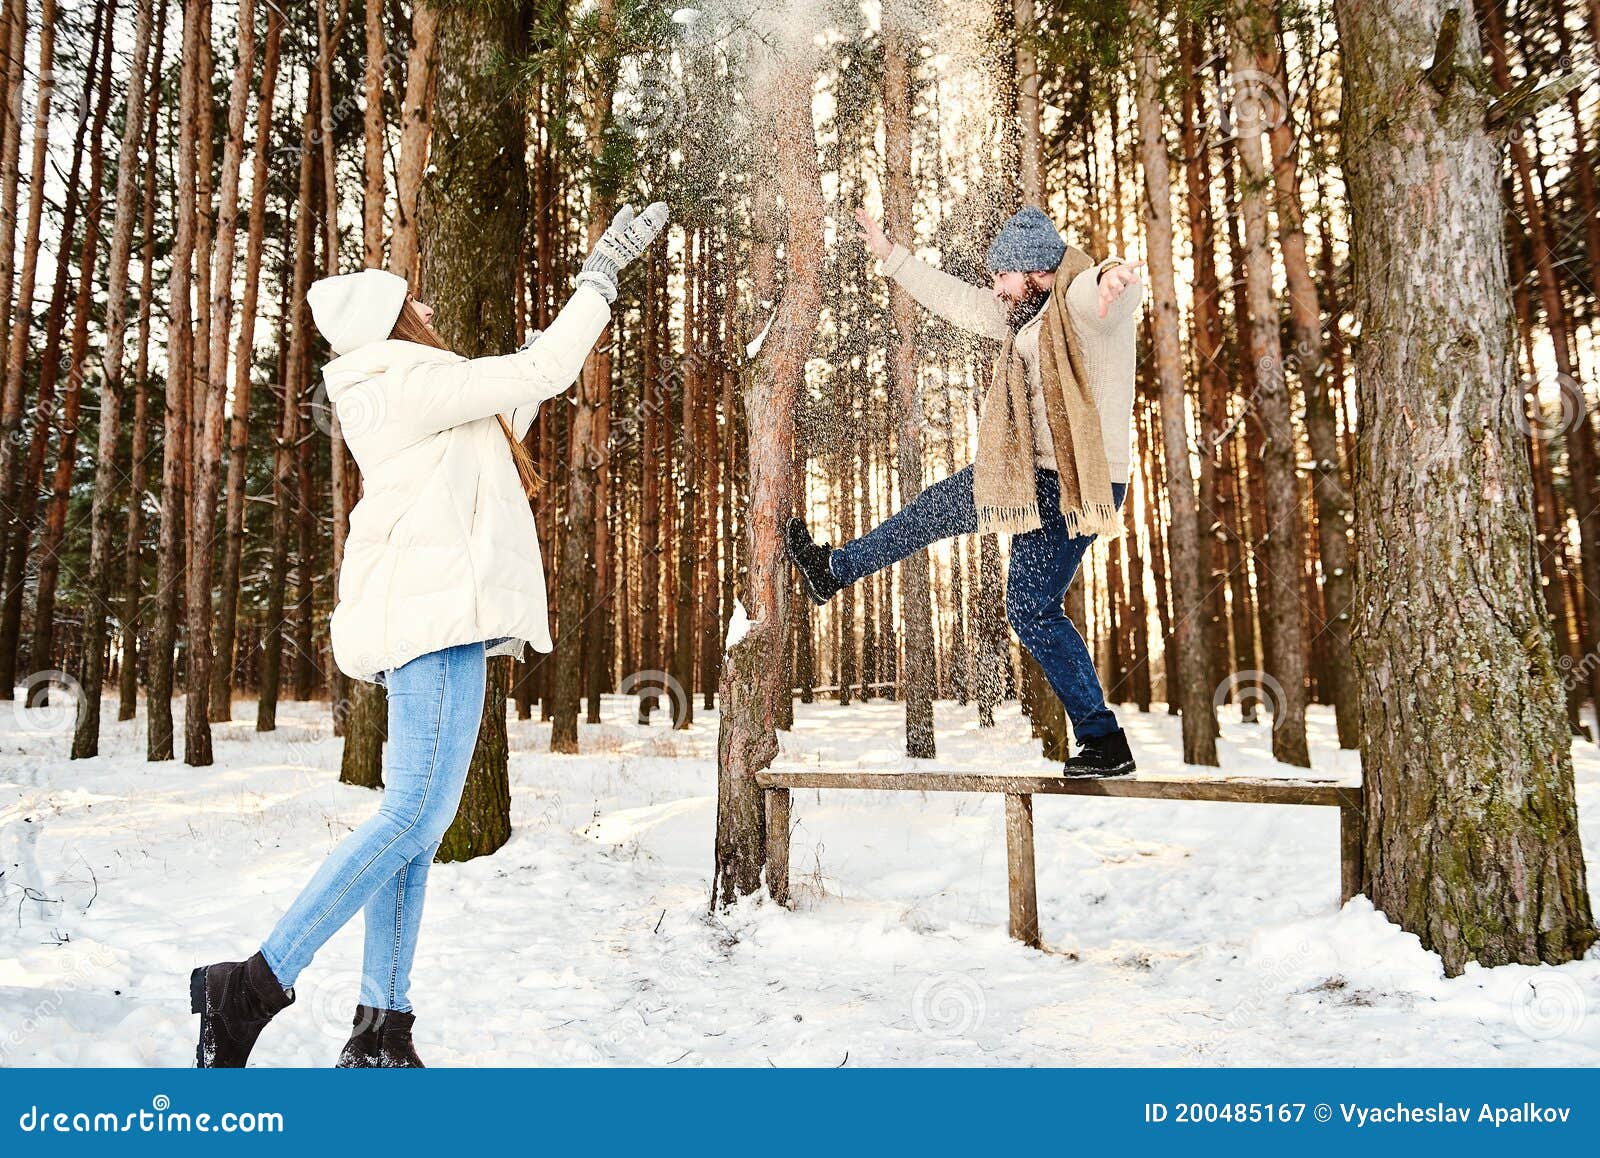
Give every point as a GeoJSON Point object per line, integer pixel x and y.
{"type": "Point", "coordinates": [235, 1000]}
{"type": "Point", "coordinates": [1102, 757]}
{"type": "Point", "coordinates": [811, 559]}
{"type": "Point", "coordinates": [380, 1039]}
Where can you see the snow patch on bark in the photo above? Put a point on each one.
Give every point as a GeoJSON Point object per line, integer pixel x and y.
{"type": "Point", "coordinates": [738, 627]}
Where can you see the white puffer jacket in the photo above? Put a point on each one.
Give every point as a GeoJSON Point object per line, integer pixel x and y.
{"type": "Point", "coordinates": [442, 547]}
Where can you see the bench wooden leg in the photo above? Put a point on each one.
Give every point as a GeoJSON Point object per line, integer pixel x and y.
{"type": "Point", "coordinates": [1020, 869]}
{"type": "Point", "coordinates": [1352, 833]}
{"type": "Point", "coordinates": [778, 844]}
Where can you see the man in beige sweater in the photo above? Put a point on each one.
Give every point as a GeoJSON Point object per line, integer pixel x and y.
{"type": "Point", "coordinates": [1102, 304]}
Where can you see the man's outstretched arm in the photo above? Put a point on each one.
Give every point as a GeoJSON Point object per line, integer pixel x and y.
{"type": "Point", "coordinates": [969, 307]}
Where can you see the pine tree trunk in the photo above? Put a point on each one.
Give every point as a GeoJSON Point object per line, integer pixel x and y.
{"type": "Point", "coordinates": [243, 379]}
{"type": "Point", "coordinates": [86, 735]}
{"type": "Point", "coordinates": [1471, 824]}
{"type": "Point", "coordinates": [753, 679]}
{"type": "Point", "coordinates": [416, 122]}
{"type": "Point", "coordinates": [471, 218]}
{"type": "Point", "coordinates": [915, 610]}
{"type": "Point", "coordinates": [1194, 691]}
{"type": "Point", "coordinates": [361, 761]}
{"type": "Point", "coordinates": [133, 536]}
{"type": "Point", "coordinates": [284, 486]}
{"type": "Point", "coordinates": [1283, 626]}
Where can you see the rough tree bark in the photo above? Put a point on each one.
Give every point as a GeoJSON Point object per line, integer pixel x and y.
{"type": "Point", "coordinates": [1471, 823]}
{"type": "Point", "coordinates": [753, 678]}
{"type": "Point", "coordinates": [470, 221]}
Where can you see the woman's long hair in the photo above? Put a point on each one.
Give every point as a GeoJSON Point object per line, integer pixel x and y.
{"type": "Point", "coordinates": [409, 327]}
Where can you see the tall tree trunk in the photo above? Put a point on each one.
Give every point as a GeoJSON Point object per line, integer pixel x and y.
{"type": "Point", "coordinates": [470, 221]}
{"type": "Point", "coordinates": [1193, 694]}
{"type": "Point", "coordinates": [55, 527]}
{"type": "Point", "coordinates": [175, 427]}
{"type": "Point", "coordinates": [915, 610]}
{"type": "Point", "coordinates": [1472, 830]}
{"type": "Point", "coordinates": [284, 487]}
{"type": "Point", "coordinates": [361, 762]}
{"type": "Point", "coordinates": [1283, 626]}
{"type": "Point", "coordinates": [753, 679]}
{"type": "Point", "coordinates": [86, 735]}
{"type": "Point", "coordinates": [133, 537]}
{"type": "Point", "coordinates": [243, 379]}
{"type": "Point", "coordinates": [589, 434]}
{"type": "Point", "coordinates": [1328, 485]}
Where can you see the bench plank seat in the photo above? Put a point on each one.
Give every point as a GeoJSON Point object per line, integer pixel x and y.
{"type": "Point", "coordinates": [1019, 792]}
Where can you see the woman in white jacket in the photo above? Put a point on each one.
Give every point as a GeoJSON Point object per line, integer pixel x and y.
{"type": "Point", "coordinates": [441, 569]}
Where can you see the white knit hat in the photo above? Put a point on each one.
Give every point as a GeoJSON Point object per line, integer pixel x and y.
{"type": "Point", "coordinates": [356, 308]}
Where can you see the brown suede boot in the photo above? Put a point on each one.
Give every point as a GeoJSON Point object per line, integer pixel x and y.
{"type": "Point", "coordinates": [380, 1039]}
{"type": "Point", "coordinates": [235, 1000]}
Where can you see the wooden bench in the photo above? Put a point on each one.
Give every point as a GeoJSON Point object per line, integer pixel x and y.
{"type": "Point", "coordinates": [1019, 792]}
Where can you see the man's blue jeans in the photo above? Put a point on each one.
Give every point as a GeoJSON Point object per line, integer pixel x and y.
{"type": "Point", "coordinates": [1043, 564]}
{"type": "Point", "coordinates": [435, 705]}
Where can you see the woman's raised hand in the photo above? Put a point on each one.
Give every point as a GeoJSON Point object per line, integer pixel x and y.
{"type": "Point", "coordinates": [872, 235]}
{"type": "Point", "coordinates": [628, 235]}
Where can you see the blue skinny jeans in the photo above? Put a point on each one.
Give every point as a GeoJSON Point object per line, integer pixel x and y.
{"type": "Point", "coordinates": [435, 706]}
{"type": "Point", "coordinates": [1043, 564]}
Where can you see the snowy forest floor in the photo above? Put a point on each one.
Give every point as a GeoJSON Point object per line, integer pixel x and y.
{"type": "Point", "coordinates": [1176, 932]}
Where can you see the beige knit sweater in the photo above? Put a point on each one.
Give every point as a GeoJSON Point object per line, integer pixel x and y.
{"type": "Point", "coordinates": [1108, 345]}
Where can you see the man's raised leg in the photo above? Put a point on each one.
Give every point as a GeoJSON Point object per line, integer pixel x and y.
{"type": "Point", "coordinates": [941, 511]}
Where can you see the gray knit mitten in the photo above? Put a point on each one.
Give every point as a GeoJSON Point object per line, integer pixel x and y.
{"type": "Point", "coordinates": [623, 241]}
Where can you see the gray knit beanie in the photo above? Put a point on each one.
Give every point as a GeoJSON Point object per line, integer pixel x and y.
{"type": "Point", "coordinates": [1026, 243]}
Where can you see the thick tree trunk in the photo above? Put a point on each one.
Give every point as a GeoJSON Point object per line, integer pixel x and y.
{"type": "Point", "coordinates": [1472, 832]}
{"type": "Point", "coordinates": [1194, 690]}
{"type": "Point", "coordinates": [753, 679]}
{"type": "Point", "coordinates": [471, 220]}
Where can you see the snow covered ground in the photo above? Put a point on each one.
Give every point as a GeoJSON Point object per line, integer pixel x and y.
{"type": "Point", "coordinates": [1177, 933]}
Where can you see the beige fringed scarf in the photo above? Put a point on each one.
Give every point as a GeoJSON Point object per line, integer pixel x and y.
{"type": "Point", "coordinates": [1003, 479]}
